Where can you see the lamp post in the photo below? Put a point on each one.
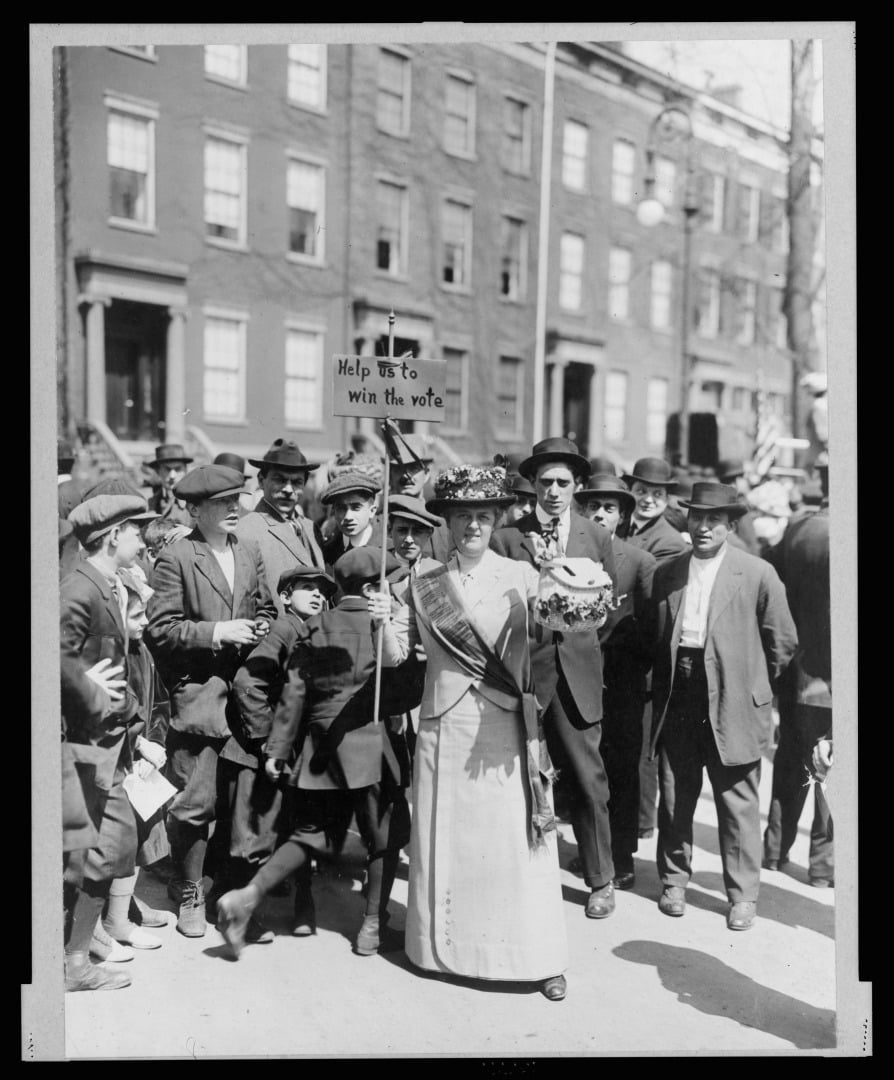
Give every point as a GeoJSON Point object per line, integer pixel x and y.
{"type": "Point", "coordinates": [673, 125]}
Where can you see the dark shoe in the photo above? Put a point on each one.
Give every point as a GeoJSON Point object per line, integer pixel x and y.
{"type": "Point", "coordinates": [368, 938]}
{"type": "Point", "coordinates": [646, 834]}
{"type": "Point", "coordinates": [822, 883]}
{"type": "Point", "coordinates": [672, 901]}
{"type": "Point", "coordinates": [576, 866]}
{"type": "Point", "coordinates": [741, 915]}
{"type": "Point", "coordinates": [191, 917]}
{"type": "Point", "coordinates": [305, 923]}
{"type": "Point", "coordinates": [233, 914]}
{"type": "Point", "coordinates": [625, 880]}
{"type": "Point", "coordinates": [554, 989]}
{"type": "Point", "coordinates": [82, 974]}
{"type": "Point", "coordinates": [256, 933]}
{"type": "Point", "coordinates": [140, 914]}
{"type": "Point", "coordinates": [601, 902]}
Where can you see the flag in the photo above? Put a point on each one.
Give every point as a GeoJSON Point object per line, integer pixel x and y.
{"type": "Point", "coordinates": [767, 431]}
{"type": "Point", "coordinates": [396, 446]}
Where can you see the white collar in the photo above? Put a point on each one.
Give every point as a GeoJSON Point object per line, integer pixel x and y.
{"type": "Point", "coordinates": [546, 519]}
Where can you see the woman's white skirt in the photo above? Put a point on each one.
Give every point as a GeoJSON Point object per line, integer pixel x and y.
{"type": "Point", "coordinates": [482, 902]}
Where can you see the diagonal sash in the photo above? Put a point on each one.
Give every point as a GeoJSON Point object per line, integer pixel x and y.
{"type": "Point", "coordinates": [442, 609]}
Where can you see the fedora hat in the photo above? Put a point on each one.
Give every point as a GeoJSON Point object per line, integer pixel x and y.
{"type": "Point", "coordinates": [286, 454]}
{"type": "Point", "coordinates": [232, 461]}
{"type": "Point", "coordinates": [168, 454]}
{"type": "Point", "coordinates": [464, 485]}
{"type": "Point", "coordinates": [557, 449]}
{"type": "Point", "coordinates": [607, 484]}
{"type": "Point", "coordinates": [710, 496]}
{"type": "Point", "coordinates": [520, 485]}
{"type": "Point", "coordinates": [602, 465]}
{"type": "Point", "coordinates": [652, 470]}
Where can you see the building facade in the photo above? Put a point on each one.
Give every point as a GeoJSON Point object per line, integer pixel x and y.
{"type": "Point", "coordinates": [231, 217]}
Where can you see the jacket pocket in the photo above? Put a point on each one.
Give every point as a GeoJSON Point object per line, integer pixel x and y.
{"type": "Point", "coordinates": [762, 697]}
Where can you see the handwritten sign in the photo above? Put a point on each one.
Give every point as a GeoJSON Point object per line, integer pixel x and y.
{"type": "Point", "coordinates": [374, 386]}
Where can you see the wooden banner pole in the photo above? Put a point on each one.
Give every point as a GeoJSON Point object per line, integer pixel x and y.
{"type": "Point", "coordinates": [382, 575]}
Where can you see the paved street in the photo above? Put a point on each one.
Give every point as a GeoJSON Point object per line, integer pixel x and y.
{"type": "Point", "coordinates": [638, 981]}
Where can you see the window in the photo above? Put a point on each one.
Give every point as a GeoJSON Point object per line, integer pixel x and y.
{"type": "Point", "coordinates": [619, 263]}
{"type": "Point", "coordinates": [510, 390]}
{"type": "Point", "coordinates": [130, 150]}
{"type": "Point", "coordinates": [616, 406]}
{"type": "Point", "coordinates": [747, 297]}
{"type": "Point", "coordinates": [741, 401]}
{"type": "Point", "coordinates": [656, 412]}
{"type": "Point", "coordinates": [391, 208]}
{"type": "Point", "coordinates": [715, 201]}
{"type": "Point", "coordinates": [665, 181]}
{"type": "Point", "coordinates": [516, 136]}
{"type": "Point", "coordinates": [571, 271]}
{"type": "Point", "coordinates": [623, 168]}
{"type": "Point", "coordinates": [707, 313]}
{"type": "Point", "coordinates": [306, 198]}
{"type": "Point", "coordinates": [662, 283]}
{"type": "Point", "coordinates": [459, 116]}
{"type": "Point", "coordinates": [225, 189]}
{"type": "Point", "coordinates": [455, 394]}
{"type": "Point", "coordinates": [774, 223]}
{"type": "Point", "coordinates": [304, 378]}
{"type": "Point", "coordinates": [393, 94]}
{"type": "Point", "coordinates": [748, 212]}
{"type": "Point", "coordinates": [513, 258]}
{"type": "Point", "coordinates": [574, 156]}
{"type": "Point", "coordinates": [778, 320]}
{"type": "Point", "coordinates": [456, 230]}
{"type": "Point", "coordinates": [307, 76]}
{"type": "Point", "coordinates": [223, 394]}
{"type": "Point", "coordinates": [227, 62]}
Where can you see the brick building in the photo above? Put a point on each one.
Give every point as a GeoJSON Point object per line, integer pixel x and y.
{"type": "Point", "coordinates": [229, 217]}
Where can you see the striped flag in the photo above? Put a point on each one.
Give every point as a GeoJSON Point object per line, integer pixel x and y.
{"type": "Point", "coordinates": [767, 430]}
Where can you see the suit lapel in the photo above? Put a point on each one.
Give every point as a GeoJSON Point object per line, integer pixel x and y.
{"type": "Point", "coordinates": [726, 585]}
{"type": "Point", "coordinates": [242, 574]}
{"type": "Point", "coordinates": [675, 598]}
{"type": "Point", "coordinates": [109, 598]}
{"type": "Point", "coordinates": [208, 567]}
{"type": "Point", "coordinates": [526, 525]}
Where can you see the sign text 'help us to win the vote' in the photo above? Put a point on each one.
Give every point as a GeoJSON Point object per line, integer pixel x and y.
{"type": "Point", "coordinates": [377, 386]}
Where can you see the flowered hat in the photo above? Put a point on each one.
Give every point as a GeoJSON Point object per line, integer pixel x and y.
{"type": "Point", "coordinates": [481, 485]}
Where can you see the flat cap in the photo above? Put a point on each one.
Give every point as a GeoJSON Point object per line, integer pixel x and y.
{"type": "Point", "coordinates": [350, 481]}
{"type": "Point", "coordinates": [97, 516]}
{"type": "Point", "coordinates": [209, 482]}
{"type": "Point", "coordinates": [361, 564]}
{"type": "Point", "coordinates": [305, 576]}
{"type": "Point", "coordinates": [405, 506]}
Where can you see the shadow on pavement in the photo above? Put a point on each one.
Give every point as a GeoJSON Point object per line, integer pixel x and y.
{"type": "Point", "coordinates": [713, 987]}
{"type": "Point", "coordinates": [781, 905]}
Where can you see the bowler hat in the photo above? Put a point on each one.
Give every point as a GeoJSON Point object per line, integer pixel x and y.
{"type": "Point", "coordinates": [350, 481]}
{"type": "Point", "coordinates": [728, 469]}
{"type": "Point", "coordinates": [169, 454]}
{"type": "Point", "coordinates": [209, 482]}
{"type": "Point", "coordinates": [410, 448]}
{"type": "Point", "coordinates": [286, 454]}
{"type": "Point", "coordinates": [606, 484]}
{"type": "Point", "coordinates": [602, 465]}
{"type": "Point", "coordinates": [652, 470]}
{"type": "Point", "coordinates": [520, 485]}
{"type": "Point", "coordinates": [362, 564]}
{"type": "Point", "coordinates": [297, 575]}
{"type": "Point", "coordinates": [708, 496]}
{"type": "Point", "coordinates": [477, 485]}
{"type": "Point", "coordinates": [559, 450]}
{"type": "Point", "coordinates": [232, 461]}
{"type": "Point", "coordinates": [410, 509]}
{"type": "Point", "coordinates": [95, 517]}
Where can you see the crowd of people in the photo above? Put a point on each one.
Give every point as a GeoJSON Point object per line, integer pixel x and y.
{"type": "Point", "coordinates": [237, 649]}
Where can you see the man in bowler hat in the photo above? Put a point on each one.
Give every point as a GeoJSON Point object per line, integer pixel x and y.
{"type": "Point", "coordinates": [170, 463]}
{"type": "Point", "coordinates": [568, 667]}
{"type": "Point", "coordinates": [723, 635]}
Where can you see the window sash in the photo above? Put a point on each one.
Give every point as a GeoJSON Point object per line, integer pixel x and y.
{"type": "Point", "coordinates": [574, 155]}
{"type": "Point", "coordinates": [718, 201]}
{"type": "Point", "coordinates": [304, 186]}
{"type": "Point", "coordinates": [571, 269]}
{"type": "Point", "coordinates": [709, 303]}
{"type": "Point", "coordinates": [656, 411]}
{"type": "Point", "coordinates": [619, 267]}
{"type": "Point", "coordinates": [615, 406]}
{"type": "Point", "coordinates": [747, 308]}
{"type": "Point", "coordinates": [662, 287]}
{"type": "Point", "coordinates": [623, 168]}
{"type": "Point", "coordinates": [515, 135]}
{"type": "Point", "coordinates": [224, 361]}
{"type": "Point", "coordinates": [456, 226]}
{"type": "Point", "coordinates": [391, 209]}
{"type": "Point", "coordinates": [392, 92]}
{"type": "Point", "coordinates": [509, 395]}
{"type": "Point", "coordinates": [459, 114]}
{"type": "Point", "coordinates": [306, 75]}
{"type": "Point", "coordinates": [665, 181]}
{"type": "Point", "coordinates": [303, 392]}
{"type": "Point", "coordinates": [455, 389]}
{"type": "Point", "coordinates": [512, 246]}
{"type": "Point", "coordinates": [226, 62]}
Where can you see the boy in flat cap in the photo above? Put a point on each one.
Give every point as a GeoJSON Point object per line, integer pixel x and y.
{"type": "Point", "coordinates": [99, 840]}
{"type": "Point", "coordinates": [257, 818]}
{"type": "Point", "coordinates": [352, 496]}
{"type": "Point", "coordinates": [211, 606]}
{"type": "Point", "coordinates": [325, 713]}
{"type": "Point", "coordinates": [410, 465]}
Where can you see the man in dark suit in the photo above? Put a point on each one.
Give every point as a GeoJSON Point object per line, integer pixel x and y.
{"type": "Point", "coordinates": [723, 636]}
{"type": "Point", "coordinates": [99, 838]}
{"type": "Point", "coordinates": [567, 667]}
{"type": "Point", "coordinates": [410, 466]}
{"type": "Point", "coordinates": [625, 665]}
{"type": "Point", "coordinates": [211, 606]}
{"type": "Point", "coordinates": [170, 463]}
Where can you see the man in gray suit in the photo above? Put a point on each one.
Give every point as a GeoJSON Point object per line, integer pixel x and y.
{"type": "Point", "coordinates": [723, 635]}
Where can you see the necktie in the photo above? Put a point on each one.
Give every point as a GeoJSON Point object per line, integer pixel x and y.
{"type": "Point", "coordinates": [551, 535]}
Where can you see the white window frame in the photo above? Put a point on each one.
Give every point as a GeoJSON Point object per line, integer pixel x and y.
{"type": "Point", "coordinates": [754, 209]}
{"type": "Point", "coordinates": [565, 274]}
{"type": "Point", "coordinates": [516, 432]}
{"type": "Point", "coordinates": [465, 285]}
{"type": "Point", "coordinates": [465, 356]}
{"type": "Point", "coordinates": [318, 330]}
{"type": "Point", "coordinates": [653, 414]}
{"type": "Point", "coordinates": [780, 340]}
{"type": "Point", "coordinates": [241, 82]}
{"type": "Point", "coordinates": [525, 167]}
{"type": "Point", "coordinates": [241, 319]}
{"type": "Point", "coordinates": [710, 330]}
{"type": "Point", "coordinates": [472, 119]}
{"type": "Point", "coordinates": [404, 249]}
{"type": "Point", "coordinates": [662, 161]}
{"type": "Point", "coordinates": [612, 409]}
{"type": "Point", "coordinates": [324, 80]}
{"type": "Point", "coordinates": [523, 260]}
{"type": "Point", "coordinates": [222, 134]}
{"type": "Point", "coordinates": [136, 50]}
{"type": "Point", "coordinates": [583, 160]}
{"type": "Point", "coordinates": [319, 259]}
{"type": "Point", "coordinates": [746, 285]}
{"type": "Point", "coordinates": [718, 206]}
{"type": "Point", "coordinates": [149, 112]}
{"type": "Point", "coordinates": [404, 55]}
{"type": "Point", "coordinates": [654, 294]}
{"type": "Point", "coordinates": [617, 176]}
{"type": "Point", "coordinates": [619, 287]}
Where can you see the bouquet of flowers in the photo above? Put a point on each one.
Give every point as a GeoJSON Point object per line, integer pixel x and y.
{"type": "Point", "coordinates": [574, 595]}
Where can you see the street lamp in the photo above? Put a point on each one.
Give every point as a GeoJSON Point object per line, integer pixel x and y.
{"type": "Point", "coordinates": [673, 125]}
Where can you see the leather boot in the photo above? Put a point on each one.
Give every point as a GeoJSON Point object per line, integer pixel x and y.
{"type": "Point", "coordinates": [305, 922]}
{"type": "Point", "coordinates": [104, 947]}
{"type": "Point", "coordinates": [82, 974]}
{"type": "Point", "coordinates": [191, 918]}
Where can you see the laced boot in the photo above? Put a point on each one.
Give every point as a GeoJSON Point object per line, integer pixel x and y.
{"type": "Point", "coordinates": [191, 918]}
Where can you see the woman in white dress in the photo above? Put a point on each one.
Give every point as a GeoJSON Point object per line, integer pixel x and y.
{"type": "Point", "coordinates": [485, 896]}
